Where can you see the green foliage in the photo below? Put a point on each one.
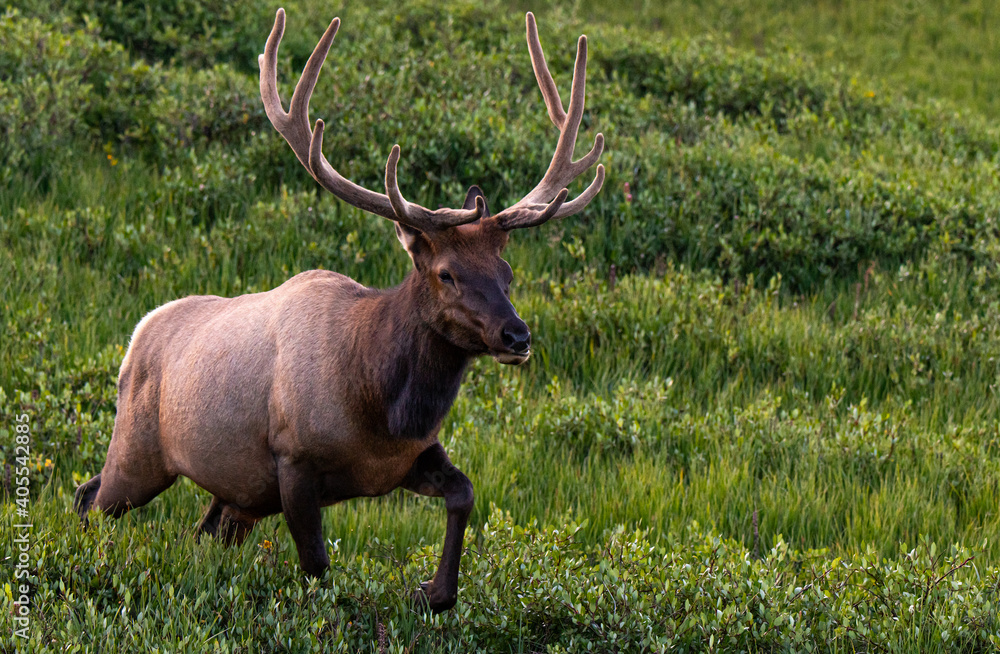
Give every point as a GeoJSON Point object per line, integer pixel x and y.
{"type": "Point", "coordinates": [53, 76]}
{"type": "Point", "coordinates": [528, 588]}
{"type": "Point", "coordinates": [943, 49]}
{"type": "Point", "coordinates": [745, 164]}
{"type": "Point", "coordinates": [594, 424]}
{"type": "Point", "coordinates": [187, 32]}
{"type": "Point", "coordinates": [731, 443]}
{"type": "Point", "coordinates": [64, 91]}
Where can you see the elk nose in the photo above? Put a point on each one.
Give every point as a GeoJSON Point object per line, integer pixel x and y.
{"type": "Point", "coordinates": [516, 337]}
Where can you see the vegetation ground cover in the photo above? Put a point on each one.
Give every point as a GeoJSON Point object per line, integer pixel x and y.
{"type": "Point", "coordinates": [773, 425]}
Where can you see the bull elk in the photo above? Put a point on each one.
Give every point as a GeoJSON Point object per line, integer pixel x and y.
{"type": "Point", "coordinates": [321, 389]}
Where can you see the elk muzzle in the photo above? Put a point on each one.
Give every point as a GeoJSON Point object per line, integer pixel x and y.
{"type": "Point", "coordinates": [516, 340]}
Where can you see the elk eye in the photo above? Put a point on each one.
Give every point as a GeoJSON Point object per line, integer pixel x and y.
{"type": "Point", "coordinates": [446, 277]}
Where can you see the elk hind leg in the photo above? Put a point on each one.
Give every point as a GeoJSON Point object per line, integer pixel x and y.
{"type": "Point", "coordinates": [119, 494]}
{"type": "Point", "coordinates": [235, 524]}
{"type": "Point", "coordinates": [85, 495]}
{"type": "Point", "coordinates": [133, 474]}
{"type": "Point", "coordinates": [210, 521]}
{"type": "Point", "coordinates": [227, 522]}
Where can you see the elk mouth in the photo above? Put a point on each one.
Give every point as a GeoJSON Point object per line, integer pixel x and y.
{"type": "Point", "coordinates": [511, 343]}
{"type": "Point", "coordinates": [512, 358]}
{"type": "Point", "coordinates": [515, 346]}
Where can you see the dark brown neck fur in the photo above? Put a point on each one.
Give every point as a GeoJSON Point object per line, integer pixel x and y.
{"type": "Point", "coordinates": [412, 372]}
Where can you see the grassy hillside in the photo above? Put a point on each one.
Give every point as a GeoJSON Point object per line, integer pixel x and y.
{"type": "Point", "coordinates": [776, 425]}
{"type": "Point", "coordinates": [946, 49]}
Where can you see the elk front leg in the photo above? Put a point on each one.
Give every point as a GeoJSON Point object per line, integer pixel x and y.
{"type": "Point", "coordinates": [300, 504]}
{"type": "Point", "coordinates": [434, 475]}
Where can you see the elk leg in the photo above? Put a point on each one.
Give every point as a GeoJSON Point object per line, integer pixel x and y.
{"type": "Point", "coordinates": [235, 524]}
{"type": "Point", "coordinates": [118, 496]}
{"type": "Point", "coordinates": [227, 522]}
{"type": "Point", "coordinates": [434, 475]}
{"type": "Point", "coordinates": [134, 471]}
{"type": "Point", "coordinates": [84, 496]}
{"type": "Point", "coordinates": [210, 522]}
{"type": "Point", "coordinates": [120, 488]}
{"type": "Point", "coordinates": [300, 504]}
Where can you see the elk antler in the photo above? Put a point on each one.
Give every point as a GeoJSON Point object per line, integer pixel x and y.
{"type": "Point", "coordinates": [546, 200]}
{"type": "Point", "coordinates": [307, 143]}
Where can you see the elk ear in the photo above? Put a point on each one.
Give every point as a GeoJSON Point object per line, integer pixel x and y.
{"type": "Point", "coordinates": [470, 200]}
{"type": "Point", "coordinates": [412, 239]}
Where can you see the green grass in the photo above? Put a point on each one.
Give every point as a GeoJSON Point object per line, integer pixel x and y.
{"type": "Point", "coordinates": [775, 427]}
{"type": "Point", "coordinates": [946, 49]}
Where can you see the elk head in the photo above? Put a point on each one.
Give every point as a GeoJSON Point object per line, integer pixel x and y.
{"type": "Point", "coordinates": [456, 253]}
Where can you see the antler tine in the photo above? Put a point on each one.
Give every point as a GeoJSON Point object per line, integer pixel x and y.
{"type": "Point", "coordinates": [294, 124]}
{"type": "Point", "coordinates": [307, 143]}
{"type": "Point", "coordinates": [416, 215]}
{"type": "Point", "coordinates": [549, 92]}
{"type": "Point", "coordinates": [577, 96]}
{"type": "Point", "coordinates": [562, 170]}
{"type": "Point", "coordinates": [519, 218]}
{"type": "Point", "coordinates": [582, 200]}
{"type": "Point", "coordinates": [532, 216]}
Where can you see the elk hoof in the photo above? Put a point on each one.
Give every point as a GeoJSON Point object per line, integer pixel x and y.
{"type": "Point", "coordinates": [427, 597]}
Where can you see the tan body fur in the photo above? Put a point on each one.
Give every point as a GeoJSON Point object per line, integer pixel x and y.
{"type": "Point", "coordinates": [260, 376]}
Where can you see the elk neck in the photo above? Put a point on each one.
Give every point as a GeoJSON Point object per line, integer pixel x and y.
{"type": "Point", "coordinates": [414, 372]}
